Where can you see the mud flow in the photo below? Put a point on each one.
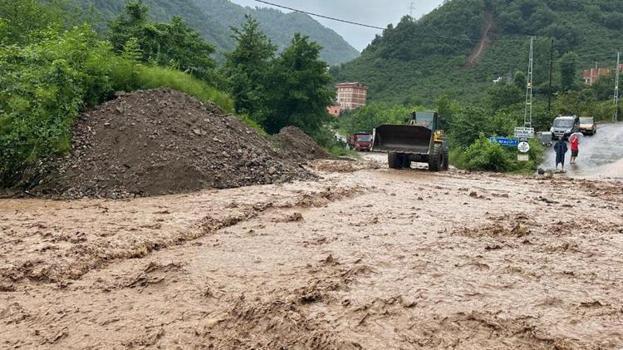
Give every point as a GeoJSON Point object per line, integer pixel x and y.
{"type": "Point", "coordinates": [358, 257]}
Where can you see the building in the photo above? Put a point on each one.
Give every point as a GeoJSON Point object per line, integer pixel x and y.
{"type": "Point", "coordinates": [351, 95]}
{"type": "Point", "coordinates": [591, 76]}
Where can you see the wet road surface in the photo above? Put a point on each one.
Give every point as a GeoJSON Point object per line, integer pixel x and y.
{"type": "Point", "coordinates": [600, 155]}
{"type": "Point", "coordinates": [366, 258]}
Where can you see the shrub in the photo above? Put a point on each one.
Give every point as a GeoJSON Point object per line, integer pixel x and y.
{"type": "Point", "coordinates": [484, 155]}
{"type": "Point", "coordinates": [42, 89]}
{"type": "Point", "coordinates": [488, 156]}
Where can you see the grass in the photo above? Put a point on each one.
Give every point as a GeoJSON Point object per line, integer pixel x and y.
{"type": "Point", "coordinates": [150, 77]}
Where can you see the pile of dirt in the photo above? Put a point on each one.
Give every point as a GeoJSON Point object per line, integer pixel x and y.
{"type": "Point", "coordinates": [160, 142]}
{"type": "Point", "coordinates": [299, 145]}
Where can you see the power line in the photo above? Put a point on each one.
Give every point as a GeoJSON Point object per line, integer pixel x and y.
{"type": "Point", "coordinates": [529, 94]}
{"type": "Point", "coordinates": [616, 88]}
{"type": "Point", "coordinates": [321, 16]}
{"type": "Point", "coordinates": [431, 34]}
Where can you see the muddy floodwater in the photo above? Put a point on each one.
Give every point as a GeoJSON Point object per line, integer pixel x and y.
{"type": "Point", "coordinates": [364, 258]}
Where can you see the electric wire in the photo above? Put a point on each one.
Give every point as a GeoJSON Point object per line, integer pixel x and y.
{"type": "Point", "coordinates": [431, 34]}
{"type": "Point", "coordinates": [320, 16]}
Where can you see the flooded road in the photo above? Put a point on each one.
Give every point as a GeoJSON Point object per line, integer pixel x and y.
{"type": "Point", "coordinates": [365, 258]}
{"type": "Point", "coordinates": [600, 155]}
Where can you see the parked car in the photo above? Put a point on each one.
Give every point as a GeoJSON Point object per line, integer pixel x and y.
{"type": "Point", "coordinates": [588, 126]}
{"type": "Point", "coordinates": [545, 138]}
{"type": "Point", "coordinates": [564, 126]}
{"type": "Point", "coordinates": [361, 141]}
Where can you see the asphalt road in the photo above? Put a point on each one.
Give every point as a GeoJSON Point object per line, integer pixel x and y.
{"type": "Point", "coordinates": [600, 155]}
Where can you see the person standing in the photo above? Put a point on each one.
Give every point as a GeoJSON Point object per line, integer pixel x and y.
{"type": "Point", "coordinates": [561, 151]}
{"type": "Point", "coordinates": [574, 140]}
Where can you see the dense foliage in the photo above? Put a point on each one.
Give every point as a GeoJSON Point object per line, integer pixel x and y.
{"type": "Point", "coordinates": [168, 44]}
{"type": "Point", "coordinates": [53, 70]}
{"type": "Point", "coordinates": [214, 18]}
{"type": "Point", "coordinates": [419, 60]}
{"type": "Point", "coordinates": [290, 89]}
{"type": "Point", "coordinates": [248, 67]}
{"type": "Point", "coordinates": [484, 155]}
{"type": "Point", "coordinates": [50, 73]}
{"type": "Point", "coordinates": [366, 118]}
{"type": "Point", "coordinates": [298, 89]}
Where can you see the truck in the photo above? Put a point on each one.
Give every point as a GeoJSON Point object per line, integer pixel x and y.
{"type": "Point", "coordinates": [360, 141]}
{"type": "Point", "coordinates": [422, 139]}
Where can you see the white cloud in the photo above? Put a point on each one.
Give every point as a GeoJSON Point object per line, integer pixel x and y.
{"type": "Point", "coordinates": [373, 12]}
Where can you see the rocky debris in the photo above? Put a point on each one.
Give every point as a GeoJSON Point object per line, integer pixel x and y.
{"type": "Point", "coordinates": [296, 144]}
{"type": "Point", "coordinates": [343, 165]}
{"type": "Point", "coordinates": [162, 141]}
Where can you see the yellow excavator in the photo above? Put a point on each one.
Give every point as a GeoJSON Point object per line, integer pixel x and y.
{"type": "Point", "coordinates": [422, 139]}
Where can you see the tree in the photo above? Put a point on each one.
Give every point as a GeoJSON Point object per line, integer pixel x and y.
{"type": "Point", "coordinates": [374, 114]}
{"type": "Point", "coordinates": [172, 44]}
{"type": "Point", "coordinates": [247, 68]}
{"type": "Point", "coordinates": [568, 71]}
{"type": "Point", "coordinates": [504, 95]}
{"type": "Point", "coordinates": [299, 90]}
{"type": "Point", "coordinates": [128, 25]}
{"type": "Point", "coordinates": [19, 20]}
{"type": "Point", "coordinates": [603, 88]}
{"type": "Point", "coordinates": [472, 122]}
{"type": "Point", "coordinates": [520, 80]}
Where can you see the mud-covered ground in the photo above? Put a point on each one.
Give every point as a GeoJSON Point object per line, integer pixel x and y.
{"type": "Point", "coordinates": [370, 259]}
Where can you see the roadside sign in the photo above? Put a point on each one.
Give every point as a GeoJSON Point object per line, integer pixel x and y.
{"type": "Point", "coordinates": [523, 157]}
{"type": "Point", "coordinates": [505, 141]}
{"type": "Point", "coordinates": [523, 147]}
{"type": "Point", "coordinates": [524, 133]}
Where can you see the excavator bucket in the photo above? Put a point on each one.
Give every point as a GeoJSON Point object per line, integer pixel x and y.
{"type": "Point", "coordinates": [412, 139]}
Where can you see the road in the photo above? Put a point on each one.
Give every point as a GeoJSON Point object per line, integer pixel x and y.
{"type": "Point", "coordinates": [363, 258]}
{"type": "Point", "coordinates": [600, 155]}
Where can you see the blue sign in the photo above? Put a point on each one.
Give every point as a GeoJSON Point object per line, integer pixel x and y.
{"type": "Point", "coordinates": [505, 141]}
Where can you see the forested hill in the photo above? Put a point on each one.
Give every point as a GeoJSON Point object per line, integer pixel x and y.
{"type": "Point", "coordinates": [462, 46]}
{"type": "Point", "coordinates": [213, 19]}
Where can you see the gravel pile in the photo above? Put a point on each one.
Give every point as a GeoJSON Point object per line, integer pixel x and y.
{"type": "Point", "coordinates": [162, 141]}
{"type": "Point", "coordinates": [297, 144]}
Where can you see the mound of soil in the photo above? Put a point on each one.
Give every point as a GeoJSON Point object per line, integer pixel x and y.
{"type": "Point", "coordinates": [163, 141]}
{"type": "Point", "coordinates": [298, 145]}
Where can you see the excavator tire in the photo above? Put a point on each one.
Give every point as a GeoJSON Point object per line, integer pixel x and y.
{"type": "Point", "coordinates": [446, 160]}
{"type": "Point", "coordinates": [394, 160]}
{"type": "Point", "coordinates": [406, 162]}
{"type": "Point", "coordinates": [435, 162]}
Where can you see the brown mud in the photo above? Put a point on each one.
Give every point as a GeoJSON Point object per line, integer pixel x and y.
{"type": "Point", "coordinates": [297, 145]}
{"type": "Point", "coordinates": [159, 142]}
{"type": "Point", "coordinates": [484, 43]}
{"type": "Point", "coordinates": [361, 259]}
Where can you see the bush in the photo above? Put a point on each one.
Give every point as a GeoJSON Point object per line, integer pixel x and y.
{"type": "Point", "coordinates": [484, 155]}
{"type": "Point", "coordinates": [488, 156]}
{"type": "Point", "coordinates": [42, 89]}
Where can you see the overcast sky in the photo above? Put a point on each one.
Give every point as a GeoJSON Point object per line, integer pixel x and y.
{"type": "Point", "coordinates": [378, 13]}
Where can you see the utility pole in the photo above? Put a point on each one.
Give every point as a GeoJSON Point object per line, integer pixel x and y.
{"type": "Point", "coordinates": [616, 88]}
{"type": "Point", "coordinates": [551, 73]}
{"type": "Point", "coordinates": [527, 120]}
{"type": "Point", "coordinates": [411, 9]}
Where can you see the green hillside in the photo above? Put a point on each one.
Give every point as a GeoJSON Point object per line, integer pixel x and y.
{"type": "Point", "coordinates": [213, 19]}
{"type": "Point", "coordinates": [447, 51]}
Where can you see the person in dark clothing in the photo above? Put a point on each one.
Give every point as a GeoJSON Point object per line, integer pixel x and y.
{"type": "Point", "coordinates": [561, 151]}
